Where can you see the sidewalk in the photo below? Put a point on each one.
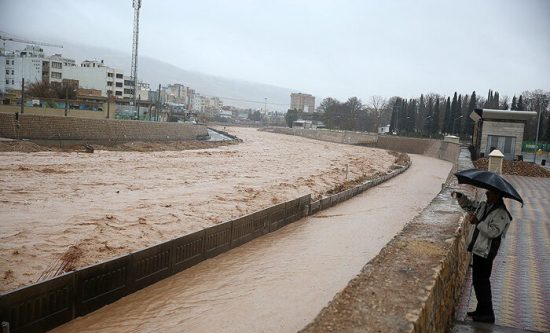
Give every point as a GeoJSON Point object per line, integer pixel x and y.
{"type": "Point", "coordinates": [521, 272]}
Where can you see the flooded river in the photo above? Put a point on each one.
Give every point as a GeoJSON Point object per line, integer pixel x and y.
{"type": "Point", "coordinates": [279, 282]}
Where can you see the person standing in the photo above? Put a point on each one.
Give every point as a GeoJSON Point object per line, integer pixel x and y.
{"type": "Point", "coordinates": [491, 219]}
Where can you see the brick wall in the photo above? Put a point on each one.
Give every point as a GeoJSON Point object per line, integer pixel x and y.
{"type": "Point", "coordinates": [94, 130]}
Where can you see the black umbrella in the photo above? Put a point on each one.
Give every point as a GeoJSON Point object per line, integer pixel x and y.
{"type": "Point", "coordinates": [490, 181]}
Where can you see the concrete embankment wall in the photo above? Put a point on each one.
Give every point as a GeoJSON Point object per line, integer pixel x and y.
{"type": "Point", "coordinates": [414, 284]}
{"type": "Point", "coordinates": [353, 138]}
{"type": "Point", "coordinates": [427, 147]}
{"type": "Point", "coordinates": [38, 127]}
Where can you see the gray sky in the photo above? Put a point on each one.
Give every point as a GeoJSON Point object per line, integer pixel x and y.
{"type": "Point", "coordinates": [327, 48]}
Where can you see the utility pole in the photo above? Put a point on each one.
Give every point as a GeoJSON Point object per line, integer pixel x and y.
{"type": "Point", "coordinates": [265, 105]}
{"type": "Point", "coordinates": [158, 104]}
{"type": "Point", "coordinates": [137, 6]}
{"type": "Point", "coordinates": [66, 100]}
{"type": "Point", "coordinates": [108, 103]}
{"type": "Point", "coordinates": [22, 95]}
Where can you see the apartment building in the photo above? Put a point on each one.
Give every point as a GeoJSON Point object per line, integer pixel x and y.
{"type": "Point", "coordinates": [302, 102]}
{"type": "Point", "coordinates": [32, 65]}
{"type": "Point", "coordinates": [93, 74]}
{"type": "Point", "coordinates": [26, 63]}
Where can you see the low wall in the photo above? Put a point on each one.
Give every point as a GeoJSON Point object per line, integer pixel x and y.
{"type": "Point", "coordinates": [45, 305]}
{"type": "Point", "coordinates": [38, 127]}
{"type": "Point", "coordinates": [428, 147]}
{"type": "Point", "coordinates": [414, 284]}
{"type": "Point", "coordinates": [44, 111]}
{"type": "Point", "coordinates": [354, 138]}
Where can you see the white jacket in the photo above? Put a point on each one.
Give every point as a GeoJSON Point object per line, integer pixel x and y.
{"type": "Point", "coordinates": [494, 225]}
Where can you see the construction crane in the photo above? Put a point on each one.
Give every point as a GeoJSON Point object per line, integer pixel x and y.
{"type": "Point", "coordinates": [137, 5]}
{"type": "Point", "coordinates": [4, 37]}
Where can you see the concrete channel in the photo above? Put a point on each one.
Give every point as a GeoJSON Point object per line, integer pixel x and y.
{"type": "Point", "coordinates": [279, 282]}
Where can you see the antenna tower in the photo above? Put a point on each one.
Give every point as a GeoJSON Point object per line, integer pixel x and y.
{"type": "Point", "coordinates": [137, 6]}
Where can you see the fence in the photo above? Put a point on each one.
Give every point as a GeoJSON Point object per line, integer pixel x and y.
{"type": "Point", "coordinates": [45, 305]}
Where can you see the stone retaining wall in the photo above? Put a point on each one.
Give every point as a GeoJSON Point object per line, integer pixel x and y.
{"type": "Point", "coordinates": [37, 127]}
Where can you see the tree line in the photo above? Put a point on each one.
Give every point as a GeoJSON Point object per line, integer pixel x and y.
{"type": "Point", "coordinates": [430, 115]}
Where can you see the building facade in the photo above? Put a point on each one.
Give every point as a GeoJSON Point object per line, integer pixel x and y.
{"type": "Point", "coordinates": [31, 64]}
{"type": "Point", "coordinates": [302, 102]}
{"type": "Point", "coordinates": [93, 74]}
{"type": "Point", "coordinates": [499, 129]}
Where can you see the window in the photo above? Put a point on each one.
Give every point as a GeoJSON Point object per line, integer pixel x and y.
{"type": "Point", "coordinates": [119, 76]}
{"type": "Point", "coordinates": [7, 62]}
{"type": "Point", "coordinates": [109, 74]}
{"type": "Point", "coordinates": [119, 84]}
{"type": "Point", "coordinates": [118, 93]}
{"type": "Point", "coordinates": [56, 65]}
{"type": "Point", "coordinates": [7, 72]}
{"type": "Point", "coordinates": [128, 91]}
{"type": "Point", "coordinates": [12, 82]}
{"type": "Point", "coordinates": [7, 81]}
{"type": "Point", "coordinates": [506, 145]}
{"type": "Point", "coordinates": [13, 62]}
{"type": "Point", "coordinates": [12, 72]}
{"type": "Point", "coordinates": [109, 83]}
{"type": "Point", "coordinates": [56, 75]}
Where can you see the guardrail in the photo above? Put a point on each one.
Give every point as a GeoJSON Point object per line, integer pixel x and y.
{"type": "Point", "coordinates": [45, 305]}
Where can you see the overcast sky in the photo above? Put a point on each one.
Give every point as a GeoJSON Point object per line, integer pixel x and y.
{"type": "Point", "coordinates": [326, 48]}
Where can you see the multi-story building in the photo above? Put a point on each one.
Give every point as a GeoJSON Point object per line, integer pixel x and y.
{"type": "Point", "coordinates": [94, 74]}
{"type": "Point", "coordinates": [52, 67]}
{"type": "Point", "coordinates": [30, 64]}
{"type": "Point", "coordinates": [143, 91]}
{"type": "Point", "coordinates": [302, 102]}
{"type": "Point", "coordinates": [18, 65]}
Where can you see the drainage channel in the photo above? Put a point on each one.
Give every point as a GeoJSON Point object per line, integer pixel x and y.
{"type": "Point", "coordinates": [217, 136]}
{"type": "Point", "coordinates": [278, 282]}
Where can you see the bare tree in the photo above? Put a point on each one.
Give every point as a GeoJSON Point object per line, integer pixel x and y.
{"type": "Point", "coordinates": [377, 107]}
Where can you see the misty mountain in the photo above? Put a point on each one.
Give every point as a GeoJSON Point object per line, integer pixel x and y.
{"type": "Point", "coordinates": [233, 92]}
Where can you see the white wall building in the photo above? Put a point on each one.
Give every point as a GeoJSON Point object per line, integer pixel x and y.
{"type": "Point", "coordinates": [17, 65]}
{"type": "Point", "coordinates": [30, 64]}
{"type": "Point", "coordinates": [94, 74]}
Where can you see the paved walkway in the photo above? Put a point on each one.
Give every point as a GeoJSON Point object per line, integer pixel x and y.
{"type": "Point", "coordinates": [521, 272]}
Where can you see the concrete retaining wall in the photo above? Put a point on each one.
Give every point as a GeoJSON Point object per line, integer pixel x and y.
{"type": "Point", "coordinates": [353, 138]}
{"type": "Point", "coordinates": [37, 127]}
{"type": "Point", "coordinates": [414, 284]}
{"type": "Point", "coordinates": [428, 147]}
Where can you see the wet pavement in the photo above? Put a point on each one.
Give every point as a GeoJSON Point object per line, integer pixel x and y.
{"type": "Point", "coordinates": [521, 273]}
{"type": "Point", "coordinates": [278, 282]}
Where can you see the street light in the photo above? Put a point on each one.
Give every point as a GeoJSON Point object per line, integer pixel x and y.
{"type": "Point", "coordinates": [453, 130]}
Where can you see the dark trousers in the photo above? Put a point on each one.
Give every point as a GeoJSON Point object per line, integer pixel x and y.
{"type": "Point", "coordinates": [481, 272]}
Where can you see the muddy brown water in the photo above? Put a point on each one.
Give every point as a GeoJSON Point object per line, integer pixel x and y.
{"type": "Point", "coordinates": [279, 282]}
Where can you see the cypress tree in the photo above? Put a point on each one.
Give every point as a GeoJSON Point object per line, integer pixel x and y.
{"type": "Point", "coordinates": [496, 101]}
{"type": "Point", "coordinates": [458, 120]}
{"type": "Point", "coordinates": [521, 104]}
{"type": "Point", "coordinates": [448, 116]}
{"type": "Point", "coordinates": [436, 118]}
{"type": "Point", "coordinates": [514, 103]}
